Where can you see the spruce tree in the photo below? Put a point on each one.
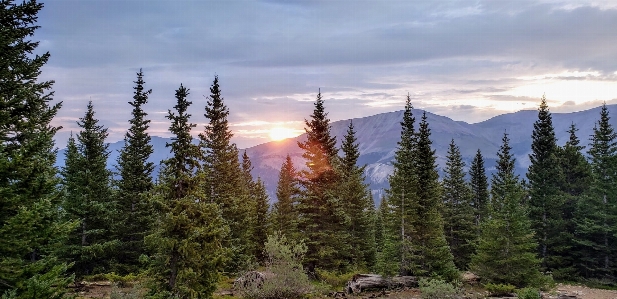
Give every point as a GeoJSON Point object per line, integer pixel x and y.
{"type": "Point", "coordinates": [30, 229]}
{"type": "Point", "coordinates": [134, 214]}
{"type": "Point", "coordinates": [428, 237]}
{"type": "Point", "coordinates": [284, 213]}
{"type": "Point", "coordinates": [479, 188]}
{"type": "Point", "coordinates": [546, 200]}
{"type": "Point", "coordinates": [596, 220]}
{"type": "Point", "coordinates": [320, 212]}
{"type": "Point", "coordinates": [401, 198]}
{"type": "Point", "coordinates": [188, 236]}
{"type": "Point", "coordinates": [223, 175]}
{"type": "Point", "coordinates": [89, 199]}
{"type": "Point", "coordinates": [260, 225]}
{"type": "Point", "coordinates": [506, 251]}
{"type": "Point", "coordinates": [458, 209]}
{"type": "Point", "coordinates": [357, 202]}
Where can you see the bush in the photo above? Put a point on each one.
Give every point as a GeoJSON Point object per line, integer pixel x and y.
{"type": "Point", "coordinates": [136, 292]}
{"type": "Point", "coordinates": [334, 280]}
{"type": "Point", "coordinates": [499, 289]}
{"type": "Point", "coordinates": [284, 276]}
{"type": "Point", "coordinates": [438, 289]}
{"type": "Point", "coordinates": [528, 293]}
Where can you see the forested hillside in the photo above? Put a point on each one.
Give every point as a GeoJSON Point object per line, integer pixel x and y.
{"type": "Point", "coordinates": [205, 217]}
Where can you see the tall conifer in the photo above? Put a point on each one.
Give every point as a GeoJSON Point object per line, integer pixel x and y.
{"type": "Point", "coordinates": [284, 213]}
{"type": "Point", "coordinates": [546, 200]}
{"type": "Point", "coordinates": [223, 175]}
{"type": "Point", "coordinates": [357, 202]}
{"type": "Point", "coordinates": [597, 211]}
{"type": "Point", "coordinates": [479, 188]}
{"type": "Point", "coordinates": [134, 216]}
{"type": "Point", "coordinates": [30, 229]}
{"type": "Point", "coordinates": [458, 209]}
{"type": "Point", "coordinates": [89, 197]}
{"type": "Point", "coordinates": [506, 251]}
{"type": "Point", "coordinates": [321, 214]}
{"type": "Point", "coordinates": [189, 232]}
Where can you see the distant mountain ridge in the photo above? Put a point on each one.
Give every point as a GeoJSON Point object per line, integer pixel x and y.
{"type": "Point", "coordinates": [378, 136]}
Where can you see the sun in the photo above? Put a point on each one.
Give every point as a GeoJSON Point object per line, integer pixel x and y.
{"type": "Point", "coordinates": [279, 133]}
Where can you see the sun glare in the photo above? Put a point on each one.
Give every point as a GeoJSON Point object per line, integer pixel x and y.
{"type": "Point", "coordinates": [281, 133]}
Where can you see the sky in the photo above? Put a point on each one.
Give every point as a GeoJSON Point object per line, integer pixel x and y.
{"type": "Point", "coordinates": [467, 60]}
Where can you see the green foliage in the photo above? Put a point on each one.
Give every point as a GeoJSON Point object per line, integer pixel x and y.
{"type": "Point", "coordinates": [458, 209]}
{"type": "Point", "coordinates": [438, 289]}
{"type": "Point", "coordinates": [333, 279]}
{"type": "Point", "coordinates": [357, 203]}
{"type": "Point", "coordinates": [596, 215]}
{"type": "Point", "coordinates": [260, 223]}
{"type": "Point", "coordinates": [546, 206]}
{"type": "Point", "coordinates": [135, 292]}
{"type": "Point", "coordinates": [223, 178]}
{"type": "Point", "coordinates": [286, 278]}
{"type": "Point", "coordinates": [284, 213]}
{"type": "Point", "coordinates": [188, 237]}
{"type": "Point", "coordinates": [479, 188]}
{"type": "Point", "coordinates": [499, 289]}
{"type": "Point", "coordinates": [31, 229]}
{"type": "Point", "coordinates": [506, 248]}
{"type": "Point", "coordinates": [88, 199]}
{"type": "Point", "coordinates": [133, 218]}
{"type": "Point", "coordinates": [321, 211]}
{"type": "Point", "coordinates": [528, 293]}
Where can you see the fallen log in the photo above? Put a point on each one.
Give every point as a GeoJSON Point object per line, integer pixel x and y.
{"type": "Point", "coordinates": [363, 282]}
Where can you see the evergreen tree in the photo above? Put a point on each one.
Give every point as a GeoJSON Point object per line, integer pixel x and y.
{"type": "Point", "coordinates": [506, 251]}
{"type": "Point", "coordinates": [189, 232]}
{"type": "Point", "coordinates": [546, 200]}
{"type": "Point", "coordinates": [31, 231]}
{"type": "Point", "coordinates": [260, 223]}
{"type": "Point", "coordinates": [596, 221]}
{"type": "Point", "coordinates": [479, 188]}
{"type": "Point", "coordinates": [224, 177]}
{"type": "Point", "coordinates": [89, 198]}
{"type": "Point", "coordinates": [401, 198]}
{"type": "Point", "coordinates": [284, 213]}
{"type": "Point", "coordinates": [134, 214]}
{"type": "Point", "coordinates": [458, 209]}
{"type": "Point", "coordinates": [321, 216]}
{"type": "Point", "coordinates": [386, 234]}
{"type": "Point", "coordinates": [428, 237]}
{"type": "Point", "coordinates": [357, 202]}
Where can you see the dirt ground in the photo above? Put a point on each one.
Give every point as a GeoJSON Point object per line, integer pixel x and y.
{"type": "Point", "coordinates": [584, 292]}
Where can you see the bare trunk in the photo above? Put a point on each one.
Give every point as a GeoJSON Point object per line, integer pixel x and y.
{"type": "Point", "coordinates": [83, 232]}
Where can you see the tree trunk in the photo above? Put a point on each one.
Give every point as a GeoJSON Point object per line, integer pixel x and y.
{"type": "Point", "coordinates": [361, 282]}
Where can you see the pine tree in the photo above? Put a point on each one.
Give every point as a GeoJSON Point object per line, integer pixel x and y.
{"type": "Point", "coordinates": [357, 202]}
{"type": "Point", "coordinates": [320, 212]}
{"type": "Point", "coordinates": [546, 200]}
{"type": "Point", "coordinates": [428, 237]}
{"type": "Point", "coordinates": [89, 198]}
{"type": "Point", "coordinates": [260, 225]}
{"type": "Point", "coordinates": [30, 229]}
{"type": "Point", "coordinates": [506, 251]}
{"type": "Point", "coordinates": [596, 220]}
{"type": "Point", "coordinates": [284, 213]}
{"type": "Point", "coordinates": [386, 235]}
{"type": "Point", "coordinates": [134, 213]}
{"type": "Point", "coordinates": [189, 232]}
{"type": "Point", "coordinates": [401, 198]}
{"type": "Point", "coordinates": [458, 209]}
{"type": "Point", "coordinates": [224, 177]}
{"type": "Point", "coordinates": [479, 188]}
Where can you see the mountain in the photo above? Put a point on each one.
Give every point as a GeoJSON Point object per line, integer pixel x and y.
{"type": "Point", "coordinates": [378, 136]}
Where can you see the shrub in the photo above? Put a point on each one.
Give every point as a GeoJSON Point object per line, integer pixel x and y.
{"type": "Point", "coordinates": [438, 289]}
{"type": "Point", "coordinates": [333, 279]}
{"type": "Point", "coordinates": [499, 289]}
{"type": "Point", "coordinates": [284, 276]}
{"type": "Point", "coordinates": [528, 293]}
{"type": "Point", "coordinates": [136, 292]}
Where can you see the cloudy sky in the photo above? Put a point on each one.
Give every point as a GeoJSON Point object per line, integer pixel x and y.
{"type": "Point", "coordinates": [468, 60]}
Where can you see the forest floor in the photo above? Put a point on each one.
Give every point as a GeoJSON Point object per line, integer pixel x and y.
{"type": "Point", "coordinates": [103, 290]}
